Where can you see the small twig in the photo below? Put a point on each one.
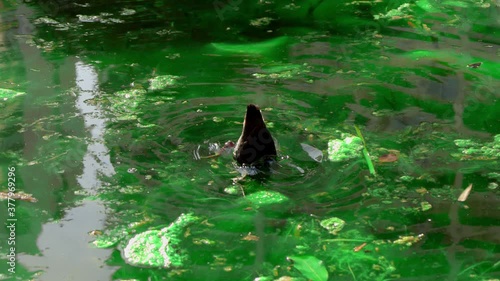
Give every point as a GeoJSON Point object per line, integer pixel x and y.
{"type": "Point", "coordinates": [353, 276]}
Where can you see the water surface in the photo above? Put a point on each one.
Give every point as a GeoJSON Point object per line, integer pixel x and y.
{"type": "Point", "coordinates": [117, 99]}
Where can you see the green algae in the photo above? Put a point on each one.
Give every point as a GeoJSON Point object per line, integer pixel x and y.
{"type": "Point", "coordinates": [160, 248]}
{"type": "Point", "coordinates": [266, 198]}
{"type": "Point", "coordinates": [124, 103]}
{"type": "Point", "coordinates": [285, 71]}
{"type": "Point", "coordinates": [473, 150]}
{"type": "Point", "coordinates": [162, 82]}
{"type": "Point", "coordinates": [426, 206]}
{"type": "Point", "coordinates": [348, 148]}
{"type": "Point", "coordinates": [6, 94]}
{"type": "Point", "coordinates": [401, 12]}
{"type": "Point", "coordinates": [333, 225]}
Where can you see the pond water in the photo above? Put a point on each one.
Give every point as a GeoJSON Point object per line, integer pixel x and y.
{"type": "Point", "coordinates": [105, 109]}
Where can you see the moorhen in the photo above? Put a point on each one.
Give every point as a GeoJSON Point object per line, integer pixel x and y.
{"type": "Point", "coordinates": [255, 145]}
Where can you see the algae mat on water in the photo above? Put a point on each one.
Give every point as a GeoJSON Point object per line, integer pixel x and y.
{"type": "Point", "coordinates": [159, 248]}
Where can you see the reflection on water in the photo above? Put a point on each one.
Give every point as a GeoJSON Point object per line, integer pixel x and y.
{"type": "Point", "coordinates": [72, 243]}
{"type": "Point", "coordinates": [96, 161]}
{"type": "Point", "coordinates": [406, 84]}
{"type": "Point", "coordinates": [64, 245]}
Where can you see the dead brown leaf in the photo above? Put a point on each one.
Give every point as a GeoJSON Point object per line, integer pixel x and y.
{"type": "Point", "coordinates": [95, 232]}
{"type": "Point", "coordinates": [358, 248]}
{"type": "Point", "coordinates": [421, 190]}
{"type": "Point", "coordinates": [387, 158]}
{"type": "Point", "coordinates": [250, 237]}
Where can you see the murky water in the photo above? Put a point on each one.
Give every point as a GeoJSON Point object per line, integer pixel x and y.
{"type": "Point", "coordinates": [114, 101]}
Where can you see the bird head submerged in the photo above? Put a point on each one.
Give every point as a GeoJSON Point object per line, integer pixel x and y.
{"type": "Point", "coordinates": [255, 145]}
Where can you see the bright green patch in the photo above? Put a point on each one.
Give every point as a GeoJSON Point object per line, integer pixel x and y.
{"type": "Point", "coordinates": [473, 150]}
{"type": "Point", "coordinates": [162, 82]}
{"type": "Point", "coordinates": [460, 4]}
{"type": "Point", "coordinates": [113, 237]}
{"type": "Point", "coordinates": [6, 94]}
{"type": "Point", "coordinates": [333, 225]}
{"type": "Point", "coordinates": [428, 6]}
{"type": "Point", "coordinates": [160, 248]}
{"type": "Point", "coordinates": [395, 14]}
{"type": "Point", "coordinates": [252, 48]}
{"type": "Point", "coordinates": [426, 206]}
{"type": "Point", "coordinates": [124, 103]}
{"type": "Point", "coordinates": [345, 149]}
{"type": "Point", "coordinates": [266, 198]}
{"type": "Point", "coordinates": [311, 267]}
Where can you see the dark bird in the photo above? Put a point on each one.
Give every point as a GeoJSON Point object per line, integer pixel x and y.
{"type": "Point", "coordinates": [255, 145]}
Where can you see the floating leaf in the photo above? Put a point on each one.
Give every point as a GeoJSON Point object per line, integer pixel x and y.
{"type": "Point", "coordinates": [252, 48]}
{"type": "Point", "coordinates": [358, 248]}
{"type": "Point", "coordinates": [217, 119]}
{"type": "Point", "coordinates": [425, 206]}
{"type": "Point", "coordinates": [421, 190]}
{"type": "Point", "coordinates": [463, 196]}
{"type": "Point", "coordinates": [7, 94]}
{"type": "Point", "coordinates": [388, 158]}
{"type": "Point", "coordinates": [492, 185]}
{"type": "Point", "coordinates": [333, 225]}
{"type": "Point", "coordinates": [250, 237]}
{"type": "Point", "coordinates": [311, 267]}
{"type": "Point", "coordinates": [313, 152]}
{"type": "Point", "coordinates": [95, 232]}
{"type": "Point", "coordinates": [474, 65]}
